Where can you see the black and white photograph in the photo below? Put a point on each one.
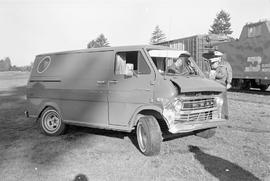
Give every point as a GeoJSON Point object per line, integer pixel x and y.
{"type": "Point", "coordinates": [128, 90]}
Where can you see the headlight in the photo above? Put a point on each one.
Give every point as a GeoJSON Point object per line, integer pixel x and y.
{"type": "Point", "coordinates": [178, 105]}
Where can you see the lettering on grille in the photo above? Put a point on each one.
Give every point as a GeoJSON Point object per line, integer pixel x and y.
{"type": "Point", "coordinates": [198, 104]}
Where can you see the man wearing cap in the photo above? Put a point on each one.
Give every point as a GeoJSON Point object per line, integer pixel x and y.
{"type": "Point", "coordinates": [220, 69]}
{"type": "Point", "coordinates": [175, 67]}
{"type": "Point", "coordinates": [221, 72]}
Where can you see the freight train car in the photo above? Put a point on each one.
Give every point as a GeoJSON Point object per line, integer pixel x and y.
{"type": "Point", "coordinates": [249, 55]}
{"type": "Point", "coordinates": [195, 45]}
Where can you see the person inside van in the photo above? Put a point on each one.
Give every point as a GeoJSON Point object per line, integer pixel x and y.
{"type": "Point", "coordinates": [182, 66]}
{"type": "Point", "coordinates": [176, 66]}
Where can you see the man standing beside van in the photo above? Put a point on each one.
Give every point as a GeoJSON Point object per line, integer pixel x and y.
{"type": "Point", "coordinates": [221, 70]}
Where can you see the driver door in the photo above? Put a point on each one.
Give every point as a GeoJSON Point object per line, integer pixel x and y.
{"type": "Point", "coordinates": [128, 91]}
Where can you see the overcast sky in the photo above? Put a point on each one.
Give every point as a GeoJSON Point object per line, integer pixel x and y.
{"type": "Point", "coordinates": [31, 27]}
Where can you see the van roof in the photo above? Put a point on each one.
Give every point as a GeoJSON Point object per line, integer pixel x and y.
{"type": "Point", "coordinates": [130, 47]}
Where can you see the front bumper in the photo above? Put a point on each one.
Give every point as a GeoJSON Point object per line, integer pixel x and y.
{"type": "Point", "coordinates": [196, 125]}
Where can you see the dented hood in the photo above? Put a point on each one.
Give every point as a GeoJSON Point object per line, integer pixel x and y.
{"type": "Point", "coordinates": [197, 84]}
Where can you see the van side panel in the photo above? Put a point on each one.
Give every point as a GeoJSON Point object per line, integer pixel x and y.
{"type": "Point", "coordinates": [85, 83]}
{"type": "Point", "coordinates": [75, 86]}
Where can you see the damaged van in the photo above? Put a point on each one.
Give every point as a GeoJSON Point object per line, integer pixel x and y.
{"type": "Point", "coordinates": [151, 90]}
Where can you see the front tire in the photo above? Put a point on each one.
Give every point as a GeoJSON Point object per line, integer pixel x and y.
{"type": "Point", "coordinates": [148, 135]}
{"type": "Point", "coordinates": [51, 122]}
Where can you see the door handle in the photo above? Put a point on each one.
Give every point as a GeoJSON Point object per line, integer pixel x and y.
{"type": "Point", "coordinates": [101, 82]}
{"type": "Point", "coordinates": [113, 81]}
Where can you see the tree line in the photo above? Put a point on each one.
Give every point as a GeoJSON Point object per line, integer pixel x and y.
{"type": "Point", "coordinates": [5, 65]}
{"type": "Point", "coordinates": [221, 25]}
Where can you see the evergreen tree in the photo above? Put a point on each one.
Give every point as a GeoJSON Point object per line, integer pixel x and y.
{"type": "Point", "coordinates": [91, 44]}
{"type": "Point", "coordinates": [157, 36]}
{"type": "Point", "coordinates": [221, 24]}
{"type": "Point", "coordinates": [100, 41]}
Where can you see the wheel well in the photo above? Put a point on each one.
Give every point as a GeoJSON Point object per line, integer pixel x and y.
{"type": "Point", "coordinates": [43, 110]}
{"type": "Point", "coordinates": [161, 121]}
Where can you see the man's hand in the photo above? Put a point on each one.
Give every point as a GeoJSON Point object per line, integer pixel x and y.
{"type": "Point", "coordinates": [212, 74]}
{"type": "Point", "coordinates": [229, 86]}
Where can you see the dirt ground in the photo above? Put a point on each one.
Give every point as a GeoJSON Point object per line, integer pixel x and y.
{"type": "Point", "coordinates": [239, 151]}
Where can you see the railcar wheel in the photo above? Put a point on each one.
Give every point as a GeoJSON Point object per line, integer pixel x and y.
{"type": "Point", "coordinates": [149, 135]}
{"type": "Point", "coordinates": [51, 122]}
{"type": "Point", "coordinates": [246, 85]}
{"type": "Point", "coordinates": [263, 87]}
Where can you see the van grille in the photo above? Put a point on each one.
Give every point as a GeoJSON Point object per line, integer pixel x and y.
{"type": "Point", "coordinates": [201, 116]}
{"type": "Point", "coordinates": [198, 104]}
{"type": "Point", "coordinates": [197, 109]}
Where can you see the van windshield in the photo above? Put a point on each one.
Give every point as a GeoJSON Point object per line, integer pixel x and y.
{"type": "Point", "coordinates": [174, 62]}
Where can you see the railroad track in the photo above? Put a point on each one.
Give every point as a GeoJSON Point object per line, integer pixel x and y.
{"type": "Point", "coordinates": [251, 96]}
{"type": "Point", "coordinates": [252, 91]}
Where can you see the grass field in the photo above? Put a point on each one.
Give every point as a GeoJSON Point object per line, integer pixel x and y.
{"type": "Point", "coordinates": [239, 151]}
{"type": "Point", "coordinates": [11, 80]}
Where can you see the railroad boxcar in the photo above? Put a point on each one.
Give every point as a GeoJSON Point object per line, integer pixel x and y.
{"type": "Point", "coordinates": [249, 56]}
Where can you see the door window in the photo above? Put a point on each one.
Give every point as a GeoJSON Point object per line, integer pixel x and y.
{"type": "Point", "coordinates": [132, 57]}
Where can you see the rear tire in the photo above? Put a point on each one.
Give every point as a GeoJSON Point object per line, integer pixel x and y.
{"type": "Point", "coordinates": [148, 135]}
{"type": "Point", "coordinates": [51, 122]}
{"type": "Point", "coordinates": [206, 133]}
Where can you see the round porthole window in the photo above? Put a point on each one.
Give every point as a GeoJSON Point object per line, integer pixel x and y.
{"type": "Point", "coordinates": [44, 64]}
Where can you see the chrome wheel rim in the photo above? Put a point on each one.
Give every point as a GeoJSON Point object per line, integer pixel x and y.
{"type": "Point", "coordinates": [142, 138]}
{"type": "Point", "coordinates": [51, 121]}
